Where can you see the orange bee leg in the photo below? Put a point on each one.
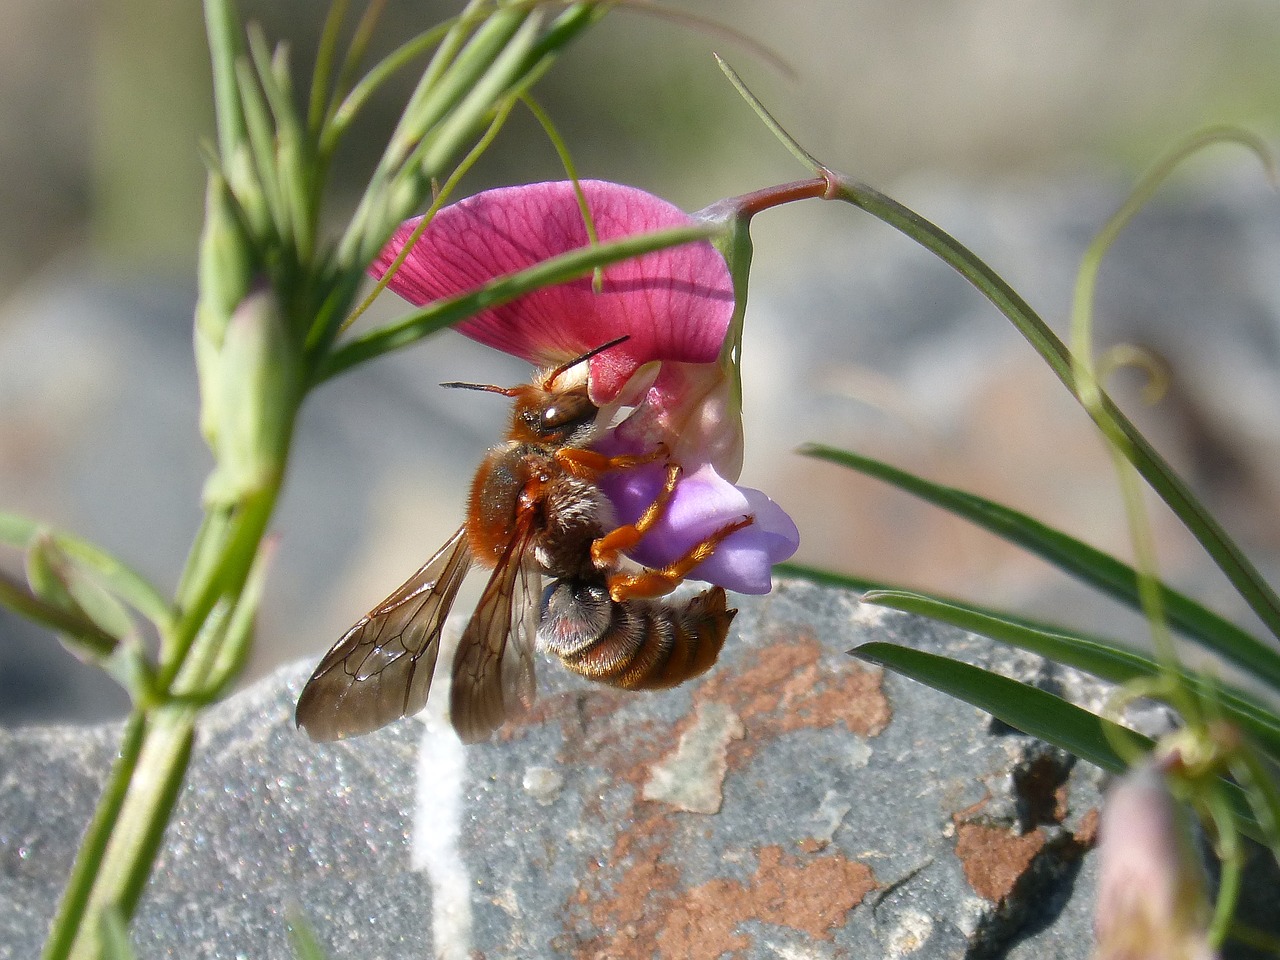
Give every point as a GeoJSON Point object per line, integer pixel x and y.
{"type": "Point", "coordinates": [655, 583]}
{"type": "Point", "coordinates": [605, 550]}
{"type": "Point", "coordinates": [588, 464]}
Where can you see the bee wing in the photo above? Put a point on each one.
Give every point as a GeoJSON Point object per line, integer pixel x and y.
{"type": "Point", "coordinates": [493, 674]}
{"type": "Point", "coordinates": [381, 669]}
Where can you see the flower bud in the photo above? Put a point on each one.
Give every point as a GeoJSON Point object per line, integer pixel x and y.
{"type": "Point", "coordinates": [1152, 903]}
{"type": "Point", "coordinates": [250, 388]}
{"type": "Point", "coordinates": [226, 261]}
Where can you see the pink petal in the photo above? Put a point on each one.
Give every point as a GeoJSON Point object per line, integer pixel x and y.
{"type": "Point", "coordinates": [674, 304]}
{"type": "Point", "coordinates": [694, 409]}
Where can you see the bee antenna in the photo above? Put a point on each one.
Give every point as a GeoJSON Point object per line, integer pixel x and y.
{"type": "Point", "coordinates": [486, 387]}
{"type": "Point", "coordinates": [585, 357]}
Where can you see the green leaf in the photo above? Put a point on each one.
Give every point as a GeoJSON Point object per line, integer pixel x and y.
{"type": "Point", "coordinates": [1035, 712]}
{"type": "Point", "coordinates": [344, 113]}
{"type": "Point", "coordinates": [17, 531]}
{"type": "Point", "coordinates": [222, 24]}
{"type": "Point", "coordinates": [322, 73]}
{"type": "Point", "coordinates": [828, 578]}
{"type": "Point", "coordinates": [74, 625]}
{"type": "Point", "coordinates": [57, 580]}
{"type": "Point", "coordinates": [292, 155]}
{"type": "Point", "coordinates": [1108, 659]}
{"type": "Point", "coordinates": [1029, 709]}
{"type": "Point", "coordinates": [1087, 563]}
{"type": "Point", "coordinates": [504, 73]}
{"type": "Point", "coordinates": [109, 571]}
{"type": "Point", "coordinates": [1258, 780]}
{"type": "Point", "coordinates": [306, 946]}
{"type": "Point", "coordinates": [120, 579]}
{"type": "Point", "coordinates": [260, 146]}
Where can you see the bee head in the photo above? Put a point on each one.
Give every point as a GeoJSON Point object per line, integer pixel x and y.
{"type": "Point", "coordinates": [556, 407]}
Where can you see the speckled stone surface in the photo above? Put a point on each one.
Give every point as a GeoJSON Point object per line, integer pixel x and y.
{"type": "Point", "coordinates": [793, 802]}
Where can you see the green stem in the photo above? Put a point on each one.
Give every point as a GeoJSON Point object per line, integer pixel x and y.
{"type": "Point", "coordinates": [1243, 575]}
{"type": "Point", "coordinates": [69, 919]}
{"type": "Point", "coordinates": [224, 578]}
{"type": "Point", "coordinates": [128, 826]}
{"type": "Point", "coordinates": [142, 814]}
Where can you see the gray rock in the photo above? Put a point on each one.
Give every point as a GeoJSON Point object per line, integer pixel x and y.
{"type": "Point", "coordinates": [794, 802]}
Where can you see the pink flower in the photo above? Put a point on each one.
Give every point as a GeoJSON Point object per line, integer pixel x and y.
{"type": "Point", "coordinates": [675, 306]}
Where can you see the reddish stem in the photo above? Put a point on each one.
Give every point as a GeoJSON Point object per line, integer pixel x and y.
{"type": "Point", "coordinates": [819, 188]}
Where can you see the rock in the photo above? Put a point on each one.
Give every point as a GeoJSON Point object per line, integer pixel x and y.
{"type": "Point", "coordinates": [793, 802]}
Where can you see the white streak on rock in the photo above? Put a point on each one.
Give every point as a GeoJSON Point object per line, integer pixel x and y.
{"type": "Point", "coordinates": [692, 777]}
{"type": "Point", "coordinates": [437, 824]}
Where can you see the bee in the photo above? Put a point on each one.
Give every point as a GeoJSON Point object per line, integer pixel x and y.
{"type": "Point", "coordinates": [536, 509]}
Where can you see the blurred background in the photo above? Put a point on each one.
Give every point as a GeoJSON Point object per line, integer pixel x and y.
{"type": "Point", "coordinates": [1017, 127]}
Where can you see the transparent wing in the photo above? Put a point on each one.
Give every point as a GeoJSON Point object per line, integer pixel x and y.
{"type": "Point", "coordinates": [493, 676]}
{"type": "Point", "coordinates": [381, 669]}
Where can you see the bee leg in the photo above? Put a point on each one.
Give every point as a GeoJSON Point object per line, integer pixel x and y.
{"type": "Point", "coordinates": [606, 550]}
{"type": "Point", "coordinates": [588, 464]}
{"type": "Point", "coordinates": [655, 583]}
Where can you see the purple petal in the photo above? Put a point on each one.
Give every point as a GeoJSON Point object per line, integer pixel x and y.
{"type": "Point", "coordinates": [703, 503]}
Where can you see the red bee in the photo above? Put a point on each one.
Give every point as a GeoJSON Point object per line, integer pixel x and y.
{"type": "Point", "coordinates": [535, 510]}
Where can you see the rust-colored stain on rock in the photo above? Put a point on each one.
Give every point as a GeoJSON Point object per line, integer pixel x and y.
{"type": "Point", "coordinates": [809, 894]}
{"type": "Point", "coordinates": [647, 913]}
{"type": "Point", "coordinates": [634, 901]}
{"type": "Point", "coordinates": [994, 859]}
{"type": "Point", "coordinates": [785, 687]}
{"type": "Point", "coordinates": [1087, 832]}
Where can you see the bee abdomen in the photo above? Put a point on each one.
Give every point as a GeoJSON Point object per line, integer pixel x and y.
{"type": "Point", "coordinates": [651, 645]}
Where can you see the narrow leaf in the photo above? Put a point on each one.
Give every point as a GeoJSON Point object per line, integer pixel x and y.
{"type": "Point", "coordinates": [111, 572]}
{"type": "Point", "coordinates": [306, 946]}
{"type": "Point", "coordinates": [1035, 712]}
{"type": "Point", "coordinates": [15, 596]}
{"type": "Point", "coordinates": [56, 579]}
{"type": "Point", "coordinates": [120, 579]}
{"type": "Point", "coordinates": [260, 145]}
{"type": "Point", "coordinates": [17, 531]}
{"type": "Point", "coordinates": [1109, 660]}
{"type": "Point", "coordinates": [1029, 709]}
{"type": "Point", "coordinates": [1087, 563]}
{"type": "Point", "coordinates": [345, 112]}
{"type": "Point", "coordinates": [222, 24]}
{"type": "Point", "coordinates": [322, 74]}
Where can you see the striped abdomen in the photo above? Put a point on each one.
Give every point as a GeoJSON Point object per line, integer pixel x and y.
{"type": "Point", "coordinates": [637, 644]}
